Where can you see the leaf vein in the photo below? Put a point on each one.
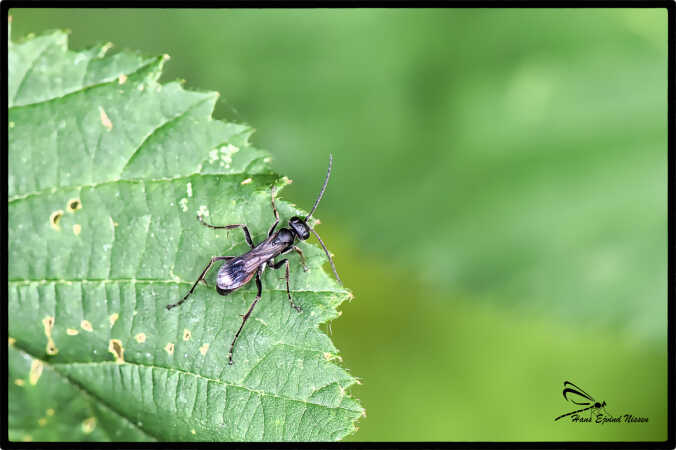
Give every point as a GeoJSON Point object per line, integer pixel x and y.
{"type": "Point", "coordinates": [25, 282]}
{"type": "Point", "coordinates": [30, 70]}
{"type": "Point", "coordinates": [161, 126]}
{"type": "Point", "coordinates": [87, 87]}
{"type": "Point", "coordinates": [169, 370]}
{"type": "Point", "coordinates": [87, 392]}
{"type": "Point", "coordinates": [128, 180]}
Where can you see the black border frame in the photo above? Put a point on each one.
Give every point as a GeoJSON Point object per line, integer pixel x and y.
{"type": "Point", "coordinates": [6, 5]}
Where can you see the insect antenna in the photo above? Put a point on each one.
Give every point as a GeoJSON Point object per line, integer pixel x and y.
{"type": "Point", "coordinates": [314, 207]}
{"type": "Point", "coordinates": [333, 266]}
{"type": "Point", "coordinates": [326, 181]}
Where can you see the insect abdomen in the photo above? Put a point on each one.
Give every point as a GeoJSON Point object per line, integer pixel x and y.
{"type": "Point", "coordinates": [231, 276]}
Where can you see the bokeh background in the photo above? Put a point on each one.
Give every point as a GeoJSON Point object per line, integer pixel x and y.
{"type": "Point", "coordinates": [498, 204]}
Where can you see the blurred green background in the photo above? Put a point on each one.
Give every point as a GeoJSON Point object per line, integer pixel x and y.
{"type": "Point", "coordinates": [498, 203]}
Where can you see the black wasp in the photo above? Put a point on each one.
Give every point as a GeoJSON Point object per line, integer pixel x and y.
{"type": "Point", "coordinates": [239, 270]}
{"type": "Point", "coordinates": [581, 398]}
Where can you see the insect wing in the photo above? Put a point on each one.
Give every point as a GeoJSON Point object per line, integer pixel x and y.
{"type": "Point", "coordinates": [262, 253]}
{"type": "Point", "coordinates": [576, 394]}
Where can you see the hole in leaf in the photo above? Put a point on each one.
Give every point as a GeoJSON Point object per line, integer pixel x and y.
{"type": "Point", "coordinates": [115, 347]}
{"type": "Point", "coordinates": [55, 218]}
{"type": "Point", "coordinates": [74, 204]}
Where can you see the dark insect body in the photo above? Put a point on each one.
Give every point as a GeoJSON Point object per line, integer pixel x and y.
{"type": "Point", "coordinates": [239, 270]}
{"type": "Point", "coordinates": [581, 398]}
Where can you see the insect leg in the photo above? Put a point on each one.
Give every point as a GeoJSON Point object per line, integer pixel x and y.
{"type": "Point", "coordinates": [300, 253]}
{"type": "Point", "coordinates": [247, 236]}
{"type": "Point", "coordinates": [274, 211]}
{"type": "Point", "coordinates": [288, 292]}
{"type": "Point", "coordinates": [213, 260]}
{"type": "Point", "coordinates": [246, 316]}
{"type": "Point", "coordinates": [302, 257]}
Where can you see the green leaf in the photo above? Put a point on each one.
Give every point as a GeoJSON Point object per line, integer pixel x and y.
{"type": "Point", "coordinates": [107, 171]}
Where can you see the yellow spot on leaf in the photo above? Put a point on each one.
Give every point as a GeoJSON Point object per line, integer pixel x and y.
{"type": "Point", "coordinates": [27, 438]}
{"type": "Point", "coordinates": [169, 348]}
{"type": "Point", "coordinates": [35, 372]}
{"type": "Point", "coordinates": [330, 356]}
{"type": "Point", "coordinates": [77, 228]}
{"type": "Point", "coordinates": [247, 181]}
{"type": "Point", "coordinates": [115, 347]}
{"type": "Point", "coordinates": [48, 323]}
{"type": "Point", "coordinates": [183, 203]}
{"type": "Point", "coordinates": [19, 382]}
{"type": "Point", "coordinates": [42, 421]}
{"type": "Point", "coordinates": [113, 318]}
{"type": "Point", "coordinates": [122, 79]}
{"type": "Point", "coordinates": [104, 119]}
{"type": "Point", "coordinates": [55, 218]}
{"type": "Point", "coordinates": [105, 49]}
{"type": "Point", "coordinates": [88, 425]}
{"type": "Point", "coordinates": [186, 335]}
{"type": "Point", "coordinates": [11, 124]}
{"type": "Point", "coordinates": [140, 338]}
{"type": "Point", "coordinates": [204, 349]}
{"type": "Point", "coordinates": [50, 412]}
{"type": "Point", "coordinates": [86, 325]}
{"type": "Point", "coordinates": [11, 341]}
{"type": "Point", "coordinates": [71, 331]}
{"type": "Point", "coordinates": [193, 431]}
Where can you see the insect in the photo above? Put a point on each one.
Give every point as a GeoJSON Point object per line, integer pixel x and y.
{"type": "Point", "coordinates": [239, 270]}
{"type": "Point", "coordinates": [579, 397]}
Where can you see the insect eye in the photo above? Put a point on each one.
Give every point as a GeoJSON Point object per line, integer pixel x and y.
{"type": "Point", "coordinates": [299, 227]}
